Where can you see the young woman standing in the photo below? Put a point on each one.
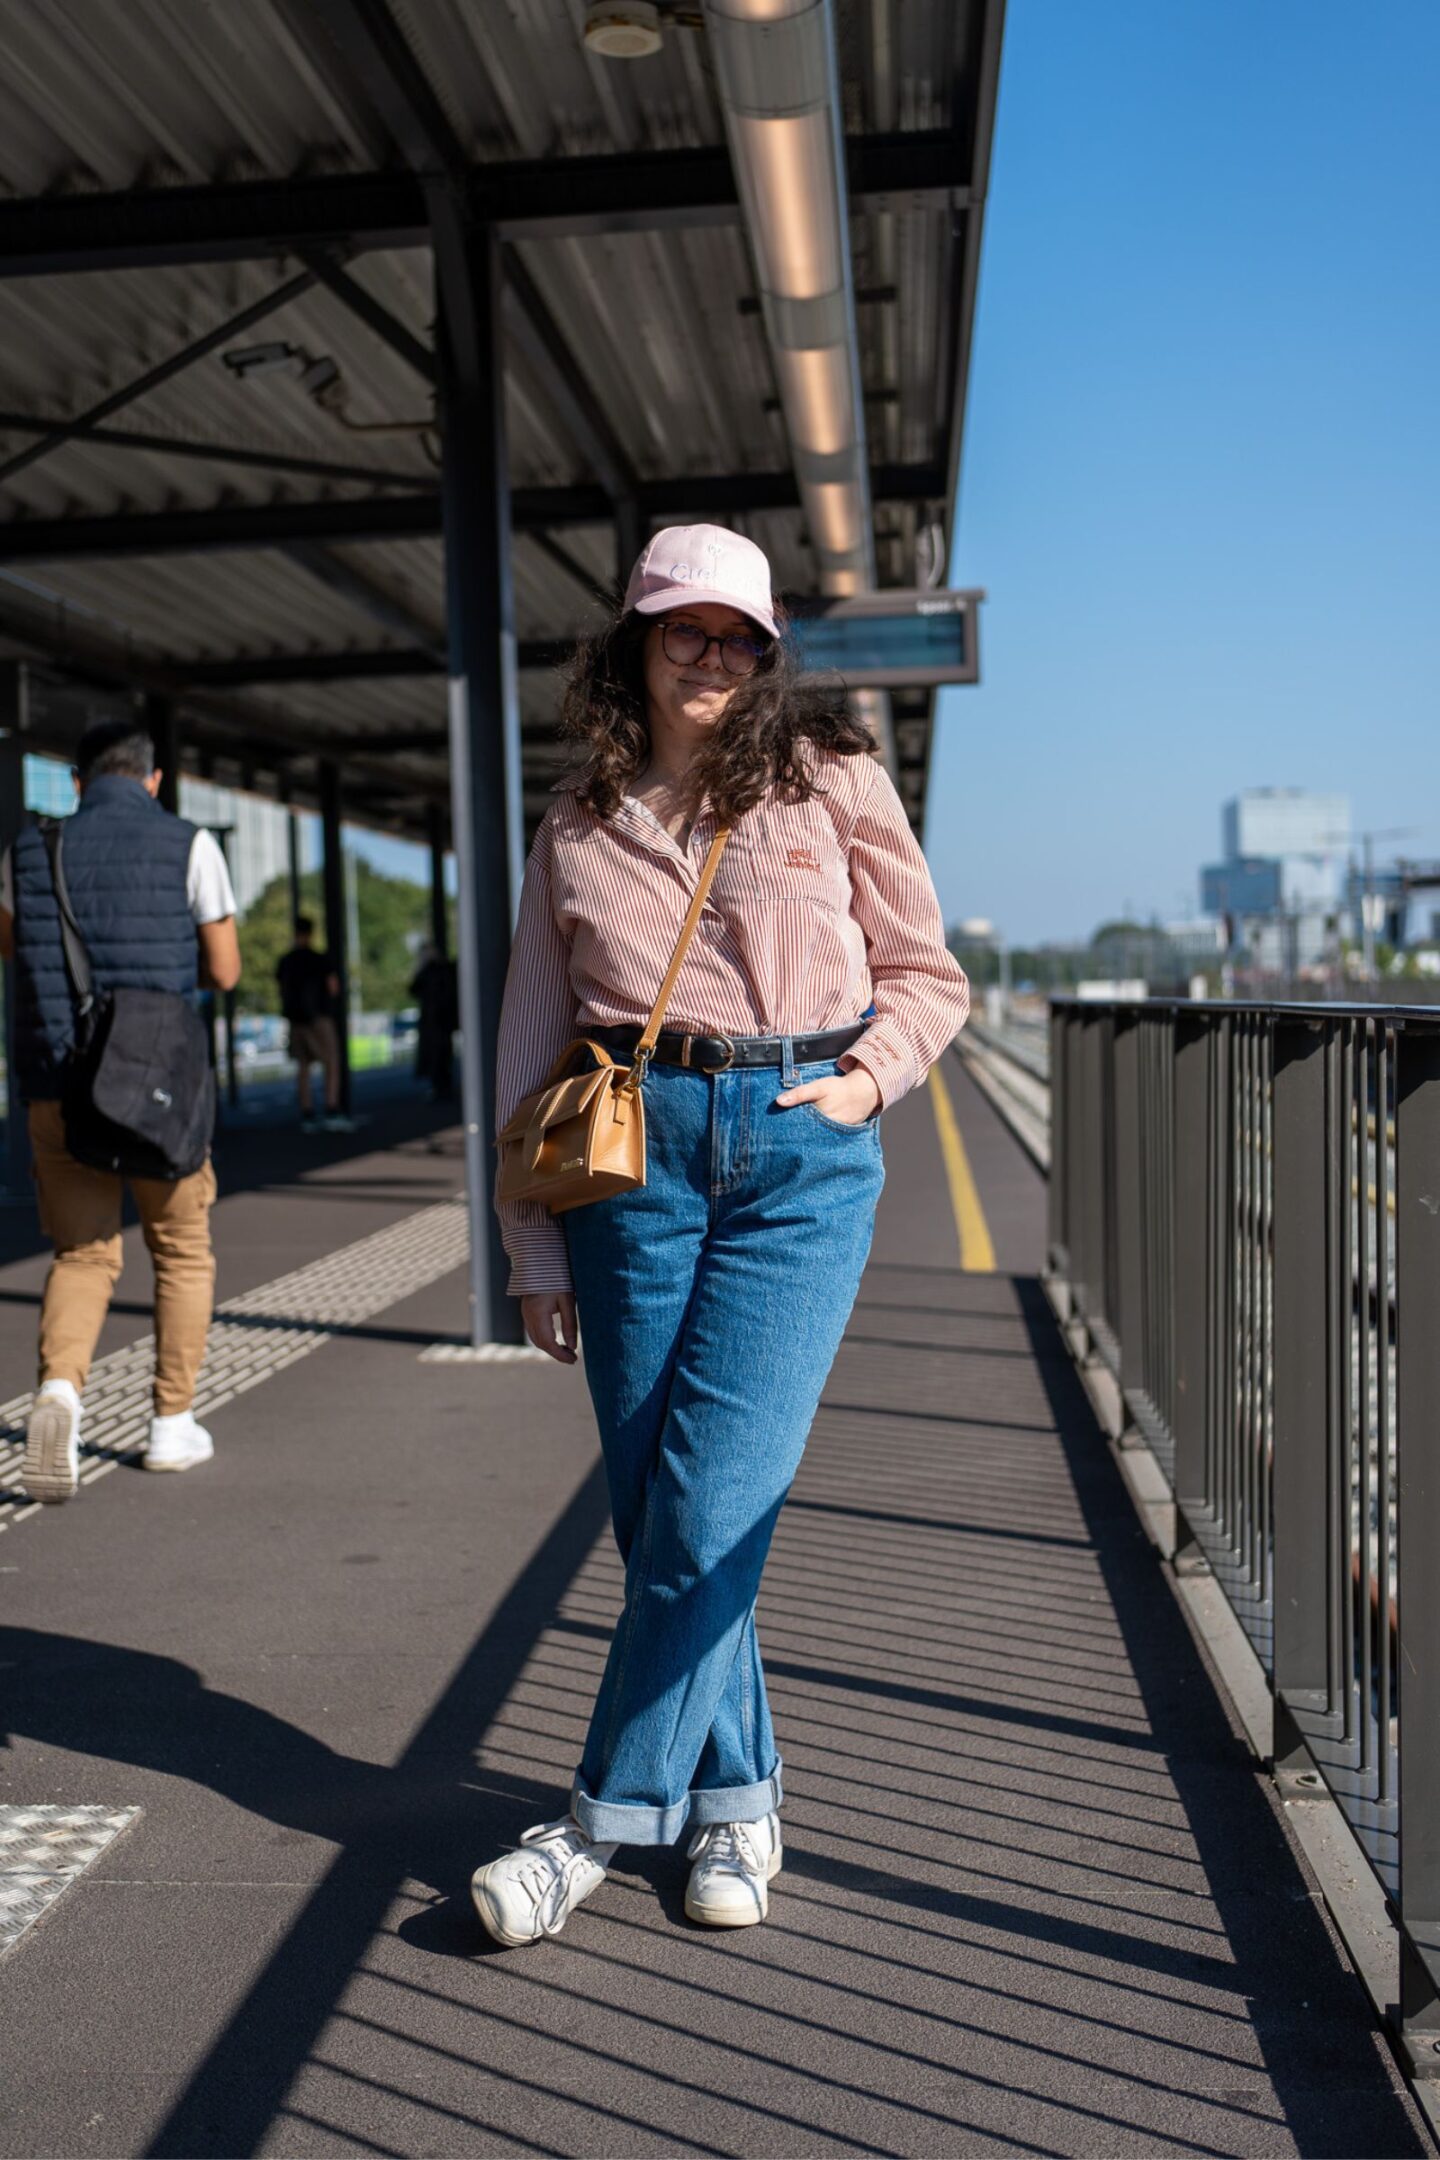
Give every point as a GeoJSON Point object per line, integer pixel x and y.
{"type": "Point", "coordinates": [816, 990]}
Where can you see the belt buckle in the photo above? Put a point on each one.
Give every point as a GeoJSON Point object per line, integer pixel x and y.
{"type": "Point", "coordinates": [729, 1058]}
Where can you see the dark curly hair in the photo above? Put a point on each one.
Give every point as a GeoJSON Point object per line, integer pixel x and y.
{"type": "Point", "coordinates": [758, 745]}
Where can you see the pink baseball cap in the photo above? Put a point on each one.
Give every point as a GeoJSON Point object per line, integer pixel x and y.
{"type": "Point", "coordinates": [690, 565]}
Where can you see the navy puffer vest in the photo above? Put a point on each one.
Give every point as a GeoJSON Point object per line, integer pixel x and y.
{"type": "Point", "coordinates": [126, 864]}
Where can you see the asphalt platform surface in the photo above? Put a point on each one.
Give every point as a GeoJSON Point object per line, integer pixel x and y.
{"type": "Point", "coordinates": [1036, 1899]}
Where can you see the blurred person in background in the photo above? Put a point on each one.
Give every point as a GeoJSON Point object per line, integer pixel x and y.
{"type": "Point", "coordinates": [154, 907]}
{"type": "Point", "coordinates": [309, 993]}
{"type": "Point", "coordinates": [435, 989]}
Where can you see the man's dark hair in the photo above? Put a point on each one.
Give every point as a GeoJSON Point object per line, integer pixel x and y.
{"type": "Point", "coordinates": [115, 746]}
{"type": "Point", "coordinates": [304, 926]}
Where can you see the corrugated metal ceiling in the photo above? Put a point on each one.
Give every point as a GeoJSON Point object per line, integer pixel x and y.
{"type": "Point", "coordinates": [98, 96]}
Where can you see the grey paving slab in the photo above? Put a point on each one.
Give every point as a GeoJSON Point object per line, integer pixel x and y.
{"type": "Point", "coordinates": [1036, 1898]}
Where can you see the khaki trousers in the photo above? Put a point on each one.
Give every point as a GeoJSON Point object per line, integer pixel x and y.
{"type": "Point", "coordinates": [80, 1214]}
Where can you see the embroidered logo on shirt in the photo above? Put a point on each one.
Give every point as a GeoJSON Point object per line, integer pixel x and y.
{"type": "Point", "coordinates": [801, 858]}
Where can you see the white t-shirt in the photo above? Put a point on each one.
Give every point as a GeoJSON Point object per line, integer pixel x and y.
{"type": "Point", "coordinates": [207, 881]}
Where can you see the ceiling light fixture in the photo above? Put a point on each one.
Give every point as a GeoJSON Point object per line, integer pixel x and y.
{"type": "Point", "coordinates": [622, 29]}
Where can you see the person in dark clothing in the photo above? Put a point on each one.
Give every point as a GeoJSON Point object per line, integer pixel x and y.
{"type": "Point", "coordinates": [155, 910]}
{"type": "Point", "coordinates": [436, 991]}
{"type": "Point", "coordinates": [309, 988]}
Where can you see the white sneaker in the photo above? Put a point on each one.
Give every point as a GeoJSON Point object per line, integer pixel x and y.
{"type": "Point", "coordinates": [177, 1443]}
{"type": "Point", "coordinates": [532, 1891]}
{"type": "Point", "coordinates": [734, 1861]}
{"type": "Point", "coordinates": [52, 1444]}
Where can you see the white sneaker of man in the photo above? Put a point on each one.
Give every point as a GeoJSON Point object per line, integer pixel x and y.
{"type": "Point", "coordinates": [177, 1443]}
{"type": "Point", "coordinates": [52, 1444]}
{"type": "Point", "coordinates": [734, 1862]}
{"type": "Point", "coordinates": [530, 1892]}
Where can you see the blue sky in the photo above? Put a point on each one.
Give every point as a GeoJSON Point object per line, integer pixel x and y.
{"type": "Point", "coordinates": [1202, 471]}
{"type": "Point", "coordinates": [1202, 468]}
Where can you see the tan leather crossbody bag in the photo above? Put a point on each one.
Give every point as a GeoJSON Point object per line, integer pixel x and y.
{"type": "Point", "coordinates": [581, 1137]}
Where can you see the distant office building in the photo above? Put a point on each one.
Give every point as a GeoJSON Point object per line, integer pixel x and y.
{"type": "Point", "coordinates": [1247, 886]}
{"type": "Point", "coordinates": [253, 832]}
{"type": "Point", "coordinates": [1285, 822]}
{"type": "Point", "coordinates": [1281, 884]}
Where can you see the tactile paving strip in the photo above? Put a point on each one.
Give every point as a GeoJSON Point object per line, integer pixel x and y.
{"type": "Point", "coordinates": [490, 1353]}
{"type": "Point", "coordinates": [251, 1337]}
{"type": "Point", "coordinates": [43, 1850]}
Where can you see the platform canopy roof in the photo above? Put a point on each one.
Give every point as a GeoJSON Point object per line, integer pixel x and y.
{"type": "Point", "coordinates": [182, 184]}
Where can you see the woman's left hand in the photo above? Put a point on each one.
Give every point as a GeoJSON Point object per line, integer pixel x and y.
{"type": "Point", "coordinates": [849, 1097]}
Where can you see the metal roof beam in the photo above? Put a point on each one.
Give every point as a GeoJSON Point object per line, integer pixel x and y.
{"type": "Point", "coordinates": [536, 335]}
{"type": "Point", "coordinates": [390, 663]}
{"type": "Point", "coordinates": [592, 587]}
{"type": "Point", "coordinates": [374, 601]}
{"type": "Point", "coordinates": [175, 364]}
{"type": "Point", "coordinates": [416, 516]}
{"type": "Point", "coordinates": [542, 198]}
{"type": "Point", "coordinates": [188, 447]}
{"type": "Point", "coordinates": [378, 57]}
{"type": "Point", "coordinates": [368, 310]}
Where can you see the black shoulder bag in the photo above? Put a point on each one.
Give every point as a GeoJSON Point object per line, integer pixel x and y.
{"type": "Point", "coordinates": [139, 1092]}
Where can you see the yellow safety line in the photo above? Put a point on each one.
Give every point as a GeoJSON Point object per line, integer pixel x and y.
{"type": "Point", "coordinates": [977, 1254]}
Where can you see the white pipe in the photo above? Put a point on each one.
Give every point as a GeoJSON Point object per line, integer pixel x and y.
{"type": "Point", "coordinates": [780, 93]}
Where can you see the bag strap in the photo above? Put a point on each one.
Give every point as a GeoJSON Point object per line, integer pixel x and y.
{"type": "Point", "coordinates": [650, 1034]}
{"type": "Point", "coordinates": [77, 960]}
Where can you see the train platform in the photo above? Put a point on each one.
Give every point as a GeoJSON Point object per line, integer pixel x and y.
{"type": "Point", "coordinates": [259, 1723]}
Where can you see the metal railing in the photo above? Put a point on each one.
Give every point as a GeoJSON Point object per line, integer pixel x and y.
{"type": "Point", "coordinates": [1245, 1214]}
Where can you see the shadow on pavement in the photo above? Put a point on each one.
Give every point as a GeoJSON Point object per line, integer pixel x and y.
{"type": "Point", "coordinates": [422, 1819]}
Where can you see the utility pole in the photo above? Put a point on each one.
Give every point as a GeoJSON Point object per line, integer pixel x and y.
{"type": "Point", "coordinates": [1367, 897]}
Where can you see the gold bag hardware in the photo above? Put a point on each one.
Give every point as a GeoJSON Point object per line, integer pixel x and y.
{"type": "Point", "coordinates": [581, 1137]}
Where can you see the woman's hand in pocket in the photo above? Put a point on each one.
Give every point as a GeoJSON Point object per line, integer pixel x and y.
{"type": "Point", "coordinates": [849, 1097]}
{"type": "Point", "coordinates": [541, 1313]}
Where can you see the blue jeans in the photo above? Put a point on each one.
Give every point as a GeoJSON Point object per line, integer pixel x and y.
{"type": "Point", "coordinates": [712, 1301]}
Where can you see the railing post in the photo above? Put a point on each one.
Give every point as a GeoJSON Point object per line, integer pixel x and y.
{"type": "Point", "coordinates": [1126, 1321]}
{"type": "Point", "coordinates": [1301, 1140]}
{"type": "Point", "coordinates": [1417, 1373]}
{"type": "Point", "coordinates": [1059, 1235]}
{"type": "Point", "coordinates": [1195, 1211]}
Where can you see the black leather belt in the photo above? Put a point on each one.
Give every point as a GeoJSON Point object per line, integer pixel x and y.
{"type": "Point", "coordinates": [719, 1053]}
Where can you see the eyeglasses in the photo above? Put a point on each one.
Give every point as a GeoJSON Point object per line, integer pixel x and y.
{"type": "Point", "coordinates": [686, 643]}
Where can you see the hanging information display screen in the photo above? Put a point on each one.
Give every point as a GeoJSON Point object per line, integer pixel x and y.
{"type": "Point", "coordinates": [891, 640]}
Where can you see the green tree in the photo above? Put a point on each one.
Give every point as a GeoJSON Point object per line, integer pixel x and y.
{"type": "Point", "coordinates": [393, 920]}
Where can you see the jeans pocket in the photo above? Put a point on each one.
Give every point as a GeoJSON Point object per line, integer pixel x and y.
{"type": "Point", "coordinates": [869, 1124]}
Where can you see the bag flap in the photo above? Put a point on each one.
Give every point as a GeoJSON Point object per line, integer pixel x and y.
{"type": "Point", "coordinates": [551, 1106]}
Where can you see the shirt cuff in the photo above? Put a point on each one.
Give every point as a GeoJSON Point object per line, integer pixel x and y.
{"type": "Point", "coordinates": [539, 1260]}
{"type": "Point", "coordinates": [888, 1058]}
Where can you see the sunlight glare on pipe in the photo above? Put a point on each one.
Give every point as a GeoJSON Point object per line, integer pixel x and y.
{"type": "Point", "coordinates": [792, 175]}
{"type": "Point", "coordinates": [834, 512]}
{"type": "Point", "coordinates": [815, 383]}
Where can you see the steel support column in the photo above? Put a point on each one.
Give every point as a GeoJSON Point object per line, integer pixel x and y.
{"type": "Point", "coordinates": [1417, 1380]}
{"type": "Point", "coordinates": [632, 530]}
{"type": "Point", "coordinates": [439, 924]}
{"type": "Point", "coordinates": [332, 882]}
{"type": "Point", "coordinates": [292, 852]}
{"type": "Point", "coordinates": [484, 714]}
{"type": "Point", "coordinates": [12, 817]}
{"type": "Point", "coordinates": [159, 716]}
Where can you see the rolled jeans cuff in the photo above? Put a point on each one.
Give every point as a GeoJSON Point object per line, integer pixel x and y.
{"type": "Point", "coordinates": [623, 1822]}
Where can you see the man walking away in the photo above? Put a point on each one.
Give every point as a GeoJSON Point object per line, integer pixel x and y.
{"type": "Point", "coordinates": [154, 907]}
{"type": "Point", "coordinates": [309, 987]}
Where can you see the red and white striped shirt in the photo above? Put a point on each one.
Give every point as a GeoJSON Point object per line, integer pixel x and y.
{"type": "Point", "coordinates": [818, 910]}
